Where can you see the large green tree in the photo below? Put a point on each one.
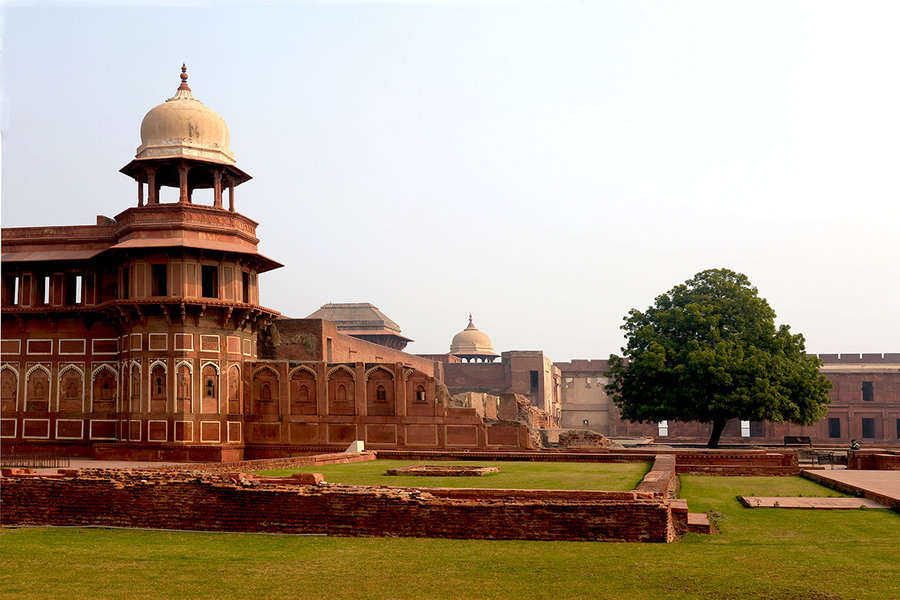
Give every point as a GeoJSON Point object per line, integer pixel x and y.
{"type": "Point", "coordinates": [708, 350]}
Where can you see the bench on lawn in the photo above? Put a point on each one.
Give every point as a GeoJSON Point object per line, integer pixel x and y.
{"type": "Point", "coordinates": [798, 440]}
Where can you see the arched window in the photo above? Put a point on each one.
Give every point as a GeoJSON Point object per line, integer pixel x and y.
{"type": "Point", "coordinates": [380, 394]}
{"type": "Point", "coordinates": [341, 395]}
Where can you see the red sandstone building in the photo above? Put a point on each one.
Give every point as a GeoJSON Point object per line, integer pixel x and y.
{"type": "Point", "coordinates": [142, 336]}
{"type": "Point", "coordinates": [865, 404]}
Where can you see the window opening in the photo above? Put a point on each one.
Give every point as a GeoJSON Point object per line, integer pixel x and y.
{"type": "Point", "coordinates": [745, 428]}
{"type": "Point", "coordinates": [245, 286]}
{"type": "Point", "coordinates": [210, 281]}
{"type": "Point", "coordinates": [534, 381]}
{"type": "Point", "coordinates": [159, 274]}
{"type": "Point", "coordinates": [868, 392]}
{"type": "Point", "coordinates": [868, 428]}
{"type": "Point", "coordinates": [834, 427]}
{"type": "Point", "coordinates": [663, 427]}
{"type": "Point", "coordinates": [11, 291]}
{"type": "Point", "coordinates": [44, 289]}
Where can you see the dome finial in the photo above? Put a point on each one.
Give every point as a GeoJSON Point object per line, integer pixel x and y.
{"type": "Point", "coordinates": [470, 318]}
{"type": "Point", "coordinates": [184, 78]}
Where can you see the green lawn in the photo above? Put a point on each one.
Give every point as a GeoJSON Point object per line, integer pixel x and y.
{"type": "Point", "coordinates": [512, 475]}
{"type": "Point", "coordinates": [772, 554]}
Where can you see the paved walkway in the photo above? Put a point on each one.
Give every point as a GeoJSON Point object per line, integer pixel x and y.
{"type": "Point", "coordinates": [881, 486]}
{"type": "Point", "coordinates": [816, 503]}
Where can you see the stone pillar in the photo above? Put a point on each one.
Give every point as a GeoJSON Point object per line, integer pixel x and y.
{"type": "Point", "coordinates": [400, 390]}
{"type": "Point", "coordinates": [183, 196]}
{"type": "Point", "coordinates": [217, 188]}
{"type": "Point", "coordinates": [360, 386]}
{"type": "Point", "coordinates": [140, 192]}
{"type": "Point", "coordinates": [231, 194]}
{"type": "Point", "coordinates": [152, 190]}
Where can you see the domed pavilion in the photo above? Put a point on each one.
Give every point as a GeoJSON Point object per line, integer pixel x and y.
{"type": "Point", "coordinates": [473, 345]}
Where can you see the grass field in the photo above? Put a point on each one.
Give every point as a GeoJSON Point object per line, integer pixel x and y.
{"type": "Point", "coordinates": [512, 475]}
{"type": "Point", "coordinates": [760, 554]}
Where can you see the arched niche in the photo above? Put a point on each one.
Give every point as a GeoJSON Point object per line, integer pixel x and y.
{"type": "Point", "coordinates": [209, 395]}
{"type": "Point", "coordinates": [71, 389]}
{"type": "Point", "coordinates": [104, 389]}
{"type": "Point", "coordinates": [135, 387]}
{"type": "Point", "coordinates": [9, 389]}
{"type": "Point", "coordinates": [380, 397]}
{"type": "Point", "coordinates": [341, 392]}
{"type": "Point", "coordinates": [419, 395]}
{"type": "Point", "coordinates": [265, 392]}
{"type": "Point", "coordinates": [37, 386]}
{"type": "Point", "coordinates": [184, 387]}
{"type": "Point", "coordinates": [234, 390]}
{"type": "Point", "coordinates": [304, 391]}
{"type": "Point", "coordinates": [159, 388]}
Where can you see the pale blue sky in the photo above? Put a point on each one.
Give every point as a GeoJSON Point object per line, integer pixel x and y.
{"type": "Point", "coordinates": [547, 166]}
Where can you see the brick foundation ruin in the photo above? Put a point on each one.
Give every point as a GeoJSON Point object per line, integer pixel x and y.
{"type": "Point", "coordinates": [443, 471]}
{"type": "Point", "coordinates": [207, 501]}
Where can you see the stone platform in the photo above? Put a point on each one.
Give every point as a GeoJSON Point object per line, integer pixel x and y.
{"type": "Point", "coordinates": [881, 486]}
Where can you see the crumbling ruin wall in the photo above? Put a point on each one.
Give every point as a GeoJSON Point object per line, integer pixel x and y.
{"type": "Point", "coordinates": [582, 438]}
{"type": "Point", "coordinates": [206, 502]}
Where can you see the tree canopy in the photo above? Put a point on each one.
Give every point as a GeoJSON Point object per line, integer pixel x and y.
{"type": "Point", "coordinates": [708, 350]}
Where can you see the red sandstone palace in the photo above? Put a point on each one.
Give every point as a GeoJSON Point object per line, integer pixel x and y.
{"type": "Point", "coordinates": [142, 336]}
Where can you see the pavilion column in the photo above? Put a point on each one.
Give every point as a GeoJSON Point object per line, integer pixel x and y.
{"type": "Point", "coordinates": [140, 192]}
{"type": "Point", "coordinates": [231, 194]}
{"type": "Point", "coordinates": [183, 196]}
{"type": "Point", "coordinates": [217, 188]}
{"type": "Point", "coordinates": [152, 190]}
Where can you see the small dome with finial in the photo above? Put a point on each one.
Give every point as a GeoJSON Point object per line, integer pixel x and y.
{"type": "Point", "coordinates": [472, 344]}
{"type": "Point", "coordinates": [184, 126]}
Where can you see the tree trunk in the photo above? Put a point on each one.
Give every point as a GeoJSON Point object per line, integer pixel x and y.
{"type": "Point", "coordinates": [718, 427]}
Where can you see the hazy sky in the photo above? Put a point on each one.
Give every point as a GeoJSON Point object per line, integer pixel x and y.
{"type": "Point", "coordinates": [544, 165]}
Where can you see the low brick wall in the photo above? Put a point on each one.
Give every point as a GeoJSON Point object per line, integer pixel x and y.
{"type": "Point", "coordinates": [688, 461]}
{"type": "Point", "coordinates": [442, 471]}
{"type": "Point", "coordinates": [268, 464]}
{"type": "Point", "coordinates": [202, 501]}
{"type": "Point", "coordinates": [874, 460]}
{"type": "Point", "coordinates": [662, 480]}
